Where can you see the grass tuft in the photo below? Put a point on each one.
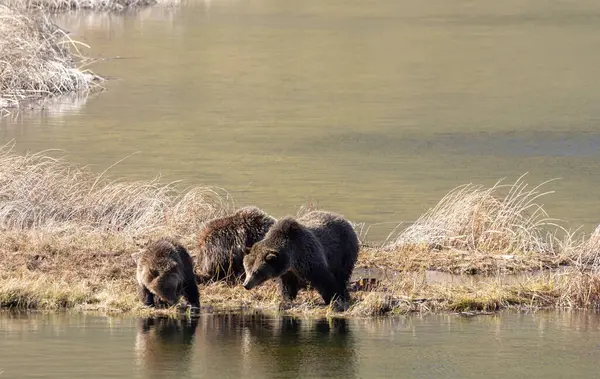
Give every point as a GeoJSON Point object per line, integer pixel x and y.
{"type": "Point", "coordinates": [43, 293]}
{"type": "Point", "coordinates": [45, 194]}
{"type": "Point", "coordinates": [475, 218]}
{"type": "Point", "coordinates": [474, 229]}
{"type": "Point", "coordinates": [97, 5]}
{"type": "Point", "coordinates": [37, 59]}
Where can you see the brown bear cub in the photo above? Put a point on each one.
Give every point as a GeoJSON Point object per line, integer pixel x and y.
{"type": "Point", "coordinates": [165, 270]}
{"type": "Point", "coordinates": [222, 242]}
{"type": "Point", "coordinates": [319, 249]}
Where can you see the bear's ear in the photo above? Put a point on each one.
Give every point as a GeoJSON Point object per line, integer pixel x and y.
{"type": "Point", "coordinates": [291, 225]}
{"type": "Point", "coordinates": [247, 250]}
{"type": "Point", "coordinates": [271, 257]}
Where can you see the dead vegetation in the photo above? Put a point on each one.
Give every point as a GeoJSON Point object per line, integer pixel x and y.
{"type": "Point", "coordinates": [105, 281]}
{"type": "Point", "coordinates": [39, 193]}
{"type": "Point", "coordinates": [67, 234]}
{"type": "Point", "coordinates": [37, 59]}
{"type": "Point", "coordinates": [474, 230]}
{"type": "Point", "coordinates": [96, 5]}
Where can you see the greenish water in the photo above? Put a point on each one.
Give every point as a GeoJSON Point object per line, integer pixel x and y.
{"type": "Point", "coordinates": [372, 109]}
{"type": "Point", "coordinates": [508, 345]}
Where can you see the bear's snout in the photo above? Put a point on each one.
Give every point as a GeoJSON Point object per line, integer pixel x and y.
{"type": "Point", "coordinates": [248, 283]}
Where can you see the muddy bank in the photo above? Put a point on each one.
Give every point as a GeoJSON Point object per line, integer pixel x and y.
{"type": "Point", "coordinates": [97, 273]}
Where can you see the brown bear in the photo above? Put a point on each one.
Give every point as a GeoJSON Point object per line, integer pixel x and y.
{"type": "Point", "coordinates": [222, 242]}
{"type": "Point", "coordinates": [166, 270]}
{"type": "Point", "coordinates": [319, 249]}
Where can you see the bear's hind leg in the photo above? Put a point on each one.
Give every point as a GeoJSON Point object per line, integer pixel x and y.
{"type": "Point", "coordinates": [325, 283]}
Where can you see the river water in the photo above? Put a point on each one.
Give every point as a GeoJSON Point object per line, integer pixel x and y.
{"type": "Point", "coordinates": [509, 345]}
{"type": "Point", "coordinates": [372, 109]}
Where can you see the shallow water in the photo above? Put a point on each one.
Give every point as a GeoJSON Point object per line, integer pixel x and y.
{"type": "Point", "coordinates": [372, 109]}
{"type": "Point", "coordinates": [508, 345]}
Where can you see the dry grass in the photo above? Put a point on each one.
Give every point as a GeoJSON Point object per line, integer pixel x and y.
{"type": "Point", "coordinates": [66, 238]}
{"type": "Point", "coordinates": [92, 280]}
{"type": "Point", "coordinates": [65, 5]}
{"type": "Point", "coordinates": [422, 257]}
{"type": "Point", "coordinates": [571, 289]}
{"type": "Point", "coordinates": [481, 230]}
{"type": "Point", "coordinates": [37, 59]}
{"type": "Point", "coordinates": [66, 234]}
{"type": "Point", "coordinates": [587, 254]}
{"type": "Point", "coordinates": [46, 194]}
{"type": "Point", "coordinates": [474, 218]}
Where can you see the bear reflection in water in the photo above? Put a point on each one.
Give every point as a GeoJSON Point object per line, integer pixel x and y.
{"type": "Point", "coordinates": [251, 346]}
{"type": "Point", "coordinates": [306, 348]}
{"type": "Point", "coordinates": [164, 345]}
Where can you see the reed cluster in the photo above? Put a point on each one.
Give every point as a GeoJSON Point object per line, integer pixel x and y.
{"type": "Point", "coordinates": [37, 59]}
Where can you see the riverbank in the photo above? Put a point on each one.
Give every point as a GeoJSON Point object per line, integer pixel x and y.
{"type": "Point", "coordinates": [106, 282]}
{"type": "Point", "coordinates": [95, 5]}
{"type": "Point", "coordinates": [67, 235]}
{"type": "Point", "coordinates": [38, 60]}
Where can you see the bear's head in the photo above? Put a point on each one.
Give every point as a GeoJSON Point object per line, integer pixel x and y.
{"type": "Point", "coordinates": [262, 263]}
{"type": "Point", "coordinates": [271, 257]}
{"type": "Point", "coordinates": [167, 285]}
{"type": "Point", "coordinates": [160, 271]}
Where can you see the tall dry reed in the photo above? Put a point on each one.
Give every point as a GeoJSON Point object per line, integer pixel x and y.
{"type": "Point", "coordinates": [98, 5]}
{"type": "Point", "coordinates": [503, 219]}
{"type": "Point", "coordinates": [37, 59]}
{"type": "Point", "coordinates": [46, 194]}
{"type": "Point", "coordinates": [586, 255]}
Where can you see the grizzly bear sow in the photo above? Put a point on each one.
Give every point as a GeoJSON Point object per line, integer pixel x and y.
{"type": "Point", "coordinates": [166, 270]}
{"type": "Point", "coordinates": [319, 248]}
{"type": "Point", "coordinates": [222, 242]}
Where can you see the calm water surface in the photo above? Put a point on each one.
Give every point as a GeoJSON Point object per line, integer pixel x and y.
{"type": "Point", "coordinates": [374, 109]}
{"type": "Point", "coordinates": [510, 345]}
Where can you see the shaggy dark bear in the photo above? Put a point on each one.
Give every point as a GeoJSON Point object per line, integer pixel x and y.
{"type": "Point", "coordinates": [319, 248]}
{"type": "Point", "coordinates": [222, 242]}
{"type": "Point", "coordinates": [165, 270]}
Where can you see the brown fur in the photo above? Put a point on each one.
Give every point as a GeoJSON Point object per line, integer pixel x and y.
{"type": "Point", "coordinates": [165, 270]}
{"type": "Point", "coordinates": [222, 242]}
{"type": "Point", "coordinates": [319, 248]}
